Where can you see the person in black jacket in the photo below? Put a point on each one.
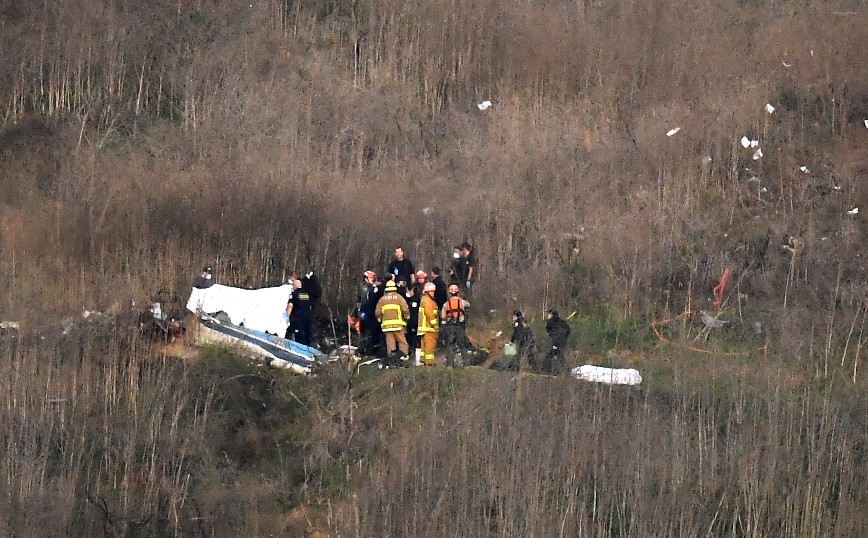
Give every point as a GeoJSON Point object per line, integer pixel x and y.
{"type": "Point", "coordinates": [402, 269]}
{"type": "Point", "coordinates": [300, 312]}
{"type": "Point", "coordinates": [203, 281]}
{"type": "Point", "coordinates": [441, 293]}
{"type": "Point", "coordinates": [522, 337]}
{"type": "Point", "coordinates": [559, 332]}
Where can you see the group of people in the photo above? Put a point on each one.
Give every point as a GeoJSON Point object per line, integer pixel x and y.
{"type": "Point", "coordinates": [549, 362]}
{"type": "Point", "coordinates": [409, 310]}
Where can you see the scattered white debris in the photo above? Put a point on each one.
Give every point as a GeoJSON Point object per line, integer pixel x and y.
{"type": "Point", "coordinates": [710, 321]}
{"type": "Point", "coordinates": [673, 131]}
{"type": "Point", "coordinates": [745, 142]}
{"type": "Point", "coordinates": [764, 190]}
{"type": "Point", "coordinates": [611, 376]}
{"type": "Point", "coordinates": [824, 238]}
{"type": "Point", "coordinates": [483, 105]}
{"type": "Point", "coordinates": [854, 211]}
{"type": "Point", "coordinates": [10, 325]}
{"type": "Point", "coordinates": [345, 352]}
{"type": "Point", "coordinates": [785, 64]}
{"type": "Point", "coordinates": [769, 108]}
{"type": "Point", "coordinates": [812, 53]}
{"type": "Point", "coordinates": [836, 188]}
{"type": "Point", "coordinates": [757, 155]}
{"type": "Point", "coordinates": [753, 179]}
{"type": "Point", "coordinates": [499, 333]}
{"type": "Point", "coordinates": [866, 124]}
{"type": "Point", "coordinates": [706, 160]}
{"type": "Point", "coordinates": [427, 210]}
{"type": "Point", "coordinates": [754, 143]}
{"type": "Point", "coordinates": [804, 169]}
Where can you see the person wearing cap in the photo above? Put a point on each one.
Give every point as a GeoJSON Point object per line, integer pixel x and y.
{"type": "Point", "coordinates": [204, 280]}
{"type": "Point", "coordinates": [392, 312]}
{"type": "Point", "coordinates": [428, 326]}
{"type": "Point", "coordinates": [371, 335]}
{"type": "Point", "coordinates": [559, 332]}
{"type": "Point", "coordinates": [300, 312]}
{"type": "Point", "coordinates": [366, 287]}
{"type": "Point", "coordinates": [522, 337]}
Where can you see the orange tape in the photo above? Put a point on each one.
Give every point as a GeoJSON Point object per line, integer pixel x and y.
{"type": "Point", "coordinates": [718, 290]}
{"type": "Point", "coordinates": [664, 340]}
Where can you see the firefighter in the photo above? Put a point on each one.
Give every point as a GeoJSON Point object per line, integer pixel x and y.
{"type": "Point", "coordinates": [413, 295]}
{"type": "Point", "coordinates": [453, 315]}
{"type": "Point", "coordinates": [370, 291]}
{"type": "Point", "coordinates": [392, 312]}
{"type": "Point", "coordinates": [428, 324]}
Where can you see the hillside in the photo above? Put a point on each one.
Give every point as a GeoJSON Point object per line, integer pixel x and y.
{"type": "Point", "coordinates": [141, 140]}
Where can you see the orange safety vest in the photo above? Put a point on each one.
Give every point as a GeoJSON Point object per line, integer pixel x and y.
{"type": "Point", "coordinates": [454, 309]}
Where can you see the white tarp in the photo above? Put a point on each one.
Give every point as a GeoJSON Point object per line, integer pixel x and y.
{"type": "Point", "coordinates": [261, 310]}
{"type": "Point", "coordinates": [612, 376]}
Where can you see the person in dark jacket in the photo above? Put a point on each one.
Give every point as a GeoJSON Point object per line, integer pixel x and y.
{"type": "Point", "coordinates": [468, 259]}
{"type": "Point", "coordinates": [458, 272]}
{"type": "Point", "coordinates": [204, 280]}
{"type": "Point", "coordinates": [413, 295]}
{"type": "Point", "coordinates": [559, 332]}
{"type": "Point", "coordinates": [300, 312]}
{"type": "Point", "coordinates": [402, 269]}
{"type": "Point", "coordinates": [441, 293]}
{"type": "Point", "coordinates": [522, 337]}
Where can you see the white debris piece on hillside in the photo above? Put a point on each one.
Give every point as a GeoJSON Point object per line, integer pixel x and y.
{"type": "Point", "coordinates": [427, 210]}
{"type": "Point", "coordinates": [483, 105]}
{"type": "Point", "coordinates": [785, 64]}
{"type": "Point", "coordinates": [804, 169]}
{"type": "Point", "coordinates": [769, 108]}
{"type": "Point", "coordinates": [706, 160]}
{"type": "Point", "coordinates": [757, 155]}
{"type": "Point", "coordinates": [611, 376]}
{"type": "Point", "coordinates": [710, 321]}
{"type": "Point", "coordinates": [866, 123]}
{"type": "Point", "coordinates": [854, 211]}
{"type": "Point", "coordinates": [748, 143]}
{"type": "Point", "coordinates": [673, 131]}
{"type": "Point", "coordinates": [10, 325]}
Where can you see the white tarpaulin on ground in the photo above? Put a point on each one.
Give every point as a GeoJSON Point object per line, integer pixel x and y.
{"type": "Point", "coordinates": [612, 376]}
{"type": "Point", "coordinates": [261, 310]}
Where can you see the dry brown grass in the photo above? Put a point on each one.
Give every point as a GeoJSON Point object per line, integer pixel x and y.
{"type": "Point", "coordinates": [141, 140]}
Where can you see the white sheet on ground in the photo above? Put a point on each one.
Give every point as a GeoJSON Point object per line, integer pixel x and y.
{"type": "Point", "coordinates": [612, 376]}
{"type": "Point", "coordinates": [262, 310]}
